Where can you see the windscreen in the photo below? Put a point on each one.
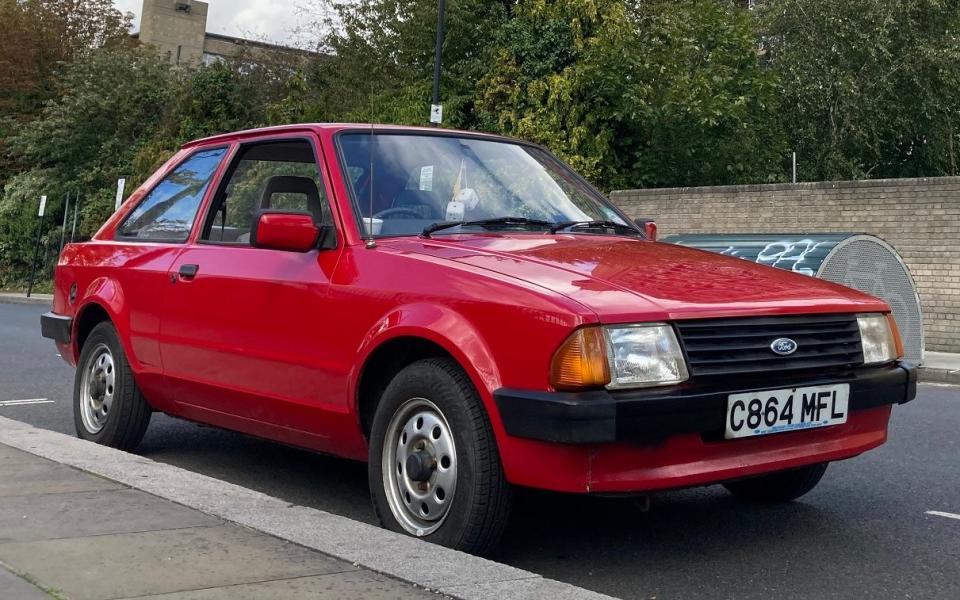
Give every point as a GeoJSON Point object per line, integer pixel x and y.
{"type": "Point", "coordinates": [409, 182]}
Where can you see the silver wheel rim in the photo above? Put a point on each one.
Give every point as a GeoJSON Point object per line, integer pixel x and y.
{"type": "Point", "coordinates": [418, 502]}
{"type": "Point", "coordinates": [97, 389]}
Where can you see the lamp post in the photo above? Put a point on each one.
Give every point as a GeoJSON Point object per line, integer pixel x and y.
{"type": "Point", "coordinates": [436, 109]}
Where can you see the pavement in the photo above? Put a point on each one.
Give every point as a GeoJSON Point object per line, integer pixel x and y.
{"type": "Point", "coordinates": [66, 533]}
{"type": "Point", "coordinates": [21, 298]}
{"type": "Point", "coordinates": [85, 522]}
{"type": "Point", "coordinates": [881, 525]}
{"type": "Point", "coordinates": [941, 367]}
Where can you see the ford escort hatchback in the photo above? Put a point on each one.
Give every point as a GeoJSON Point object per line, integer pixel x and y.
{"type": "Point", "coordinates": [467, 315]}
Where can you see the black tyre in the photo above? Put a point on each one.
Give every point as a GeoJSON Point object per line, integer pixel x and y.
{"type": "Point", "coordinates": [434, 467]}
{"type": "Point", "coordinates": [782, 486]}
{"type": "Point", "coordinates": [108, 407]}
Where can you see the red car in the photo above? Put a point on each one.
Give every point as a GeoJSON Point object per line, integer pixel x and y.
{"type": "Point", "coordinates": [467, 314]}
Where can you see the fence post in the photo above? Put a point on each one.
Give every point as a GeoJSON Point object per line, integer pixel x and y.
{"type": "Point", "coordinates": [36, 249]}
{"type": "Point", "coordinates": [76, 209]}
{"type": "Point", "coordinates": [63, 229]}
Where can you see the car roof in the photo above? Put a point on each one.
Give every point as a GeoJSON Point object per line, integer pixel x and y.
{"type": "Point", "coordinates": [337, 127]}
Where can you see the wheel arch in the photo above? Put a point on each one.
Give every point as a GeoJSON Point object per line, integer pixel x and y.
{"type": "Point", "coordinates": [89, 316]}
{"type": "Point", "coordinates": [103, 300]}
{"type": "Point", "coordinates": [412, 333]}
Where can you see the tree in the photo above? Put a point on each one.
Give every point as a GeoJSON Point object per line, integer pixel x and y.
{"type": "Point", "coordinates": [380, 66]}
{"type": "Point", "coordinates": [638, 93]}
{"type": "Point", "coordinates": [113, 102]}
{"type": "Point", "coordinates": [871, 88]}
{"type": "Point", "coordinates": [41, 35]}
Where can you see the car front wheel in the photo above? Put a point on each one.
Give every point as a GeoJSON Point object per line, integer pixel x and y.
{"type": "Point", "coordinates": [434, 468]}
{"type": "Point", "coordinates": [782, 486]}
{"type": "Point", "coordinates": [108, 407]}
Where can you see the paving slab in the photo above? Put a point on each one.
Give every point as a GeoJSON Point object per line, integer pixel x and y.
{"type": "Point", "coordinates": [21, 478]}
{"type": "Point", "coordinates": [14, 587]}
{"type": "Point", "coordinates": [12, 456]}
{"type": "Point", "coordinates": [161, 562]}
{"type": "Point", "coordinates": [523, 589]}
{"type": "Point", "coordinates": [355, 585]}
{"type": "Point", "coordinates": [33, 517]}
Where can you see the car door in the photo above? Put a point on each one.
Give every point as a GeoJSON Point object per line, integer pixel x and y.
{"type": "Point", "coordinates": [144, 246]}
{"type": "Point", "coordinates": [243, 336]}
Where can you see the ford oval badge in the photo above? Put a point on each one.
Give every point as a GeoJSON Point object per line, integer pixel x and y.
{"type": "Point", "coordinates": [783, 346]}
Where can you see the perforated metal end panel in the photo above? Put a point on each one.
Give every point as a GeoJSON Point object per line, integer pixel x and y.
{"type": "Point", "coordinates": [869, 264]}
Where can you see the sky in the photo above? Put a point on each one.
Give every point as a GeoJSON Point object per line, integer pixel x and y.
{"type": "Point", "coordinates": [270, 20]}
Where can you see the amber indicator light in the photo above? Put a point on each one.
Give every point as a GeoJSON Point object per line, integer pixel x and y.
{"type": "Point", "coordinates": [581, 362]}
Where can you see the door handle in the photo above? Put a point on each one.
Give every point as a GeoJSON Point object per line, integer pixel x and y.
{"type": "Point", "coordinates": [188, 271]}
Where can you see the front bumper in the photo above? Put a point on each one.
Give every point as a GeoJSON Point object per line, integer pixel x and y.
{"type": "Point", "coordinates": [654, 414]}
{"type": "Point", "coordinates": [56, 327]}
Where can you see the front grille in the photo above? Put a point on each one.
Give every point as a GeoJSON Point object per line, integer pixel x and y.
{"type": "Point", "coordinates": [742, 345]}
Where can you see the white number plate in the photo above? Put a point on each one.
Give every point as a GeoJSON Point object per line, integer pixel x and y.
{"type": "Point", "coordinates": [775, 411]}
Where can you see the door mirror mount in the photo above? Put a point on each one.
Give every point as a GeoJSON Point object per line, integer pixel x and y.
{"type": "Point", "coordinates": [290, 231]}
{"type": "Point", "coordinates": [328, 237]}
{"type": "Point", "coordinates": [649, 227]}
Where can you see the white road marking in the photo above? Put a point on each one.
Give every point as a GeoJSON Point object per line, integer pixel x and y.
{"type": "Point", "coordinates": [937, 513]}
{"type": "Point", "coordinates": [26, 401]}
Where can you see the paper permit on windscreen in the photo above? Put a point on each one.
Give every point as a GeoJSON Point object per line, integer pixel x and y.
{"type": "Point", "coordinates": [426, 178]}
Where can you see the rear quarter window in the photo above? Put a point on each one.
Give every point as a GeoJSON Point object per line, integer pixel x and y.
{"type": "Point", "coordinates": [167, 213]}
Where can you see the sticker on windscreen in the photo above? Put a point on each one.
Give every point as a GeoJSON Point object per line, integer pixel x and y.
{"type": "Point", "coordinates": [426, 178]}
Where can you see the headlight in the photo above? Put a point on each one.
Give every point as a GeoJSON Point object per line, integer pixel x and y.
{"type": "Point", "coordinates": [880, 339]}
{"type": "Point", "coordinates": [644, 355]}
{"type": "Point", "coordinates": [619, 357]}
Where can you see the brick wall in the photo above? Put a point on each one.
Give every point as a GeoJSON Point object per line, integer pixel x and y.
{"type": "Point", "coordinates": [919, 217]}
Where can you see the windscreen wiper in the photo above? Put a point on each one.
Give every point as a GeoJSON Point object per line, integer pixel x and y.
{"type": "Point", "coordinates": [506, 221]}
{"type": "Point", "coordinates": [595, 224]}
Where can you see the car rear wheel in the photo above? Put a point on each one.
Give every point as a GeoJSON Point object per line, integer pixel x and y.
{"type": "Point", "coordinates": [108, 407]}
{"type": "Point", "coordinates": [782, 486]}
{"type": "Point", "coordinates": [434, 468]}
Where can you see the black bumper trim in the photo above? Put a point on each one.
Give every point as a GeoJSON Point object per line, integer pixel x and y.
{"type": "Point", "coordinates": [654, 414]}
{"type": "Point", "coordinates": [56, 327]}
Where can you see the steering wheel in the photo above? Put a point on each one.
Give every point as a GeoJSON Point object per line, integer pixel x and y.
{"type": "Point", "coordinates": [400, 210]}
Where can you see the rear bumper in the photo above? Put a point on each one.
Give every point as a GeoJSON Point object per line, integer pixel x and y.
{"type": "Point", "coordinates": [56, 327]}
{"type": "Point", "coordinates": [655, 414]}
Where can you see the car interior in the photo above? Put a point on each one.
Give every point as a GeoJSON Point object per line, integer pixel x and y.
{"type": "Point", "coordinates": [272, 175]}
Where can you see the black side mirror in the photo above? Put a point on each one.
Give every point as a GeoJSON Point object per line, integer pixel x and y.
{"type": "Point", "coordinates": [327, 240]}
{"type": "Point", "coordinates": [649, 227]}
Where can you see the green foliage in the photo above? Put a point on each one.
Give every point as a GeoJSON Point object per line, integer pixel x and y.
{"type": "Point", "coordinates": [709, 110]}
{"type": "Point", "coordinates": [638, 94]}
{"type": "Point", "coordinates": [113, 100]}
{"type": "Point", "coordinates": [381, 68]}
{"type": "Point", "coordinates": [19, 222]}
{"type": "Point", "coordinates": [39, 35]}
{"type": "Point", "coordinates": [225, 97]}
{"type": "Point", "coordinates": [871, 88]}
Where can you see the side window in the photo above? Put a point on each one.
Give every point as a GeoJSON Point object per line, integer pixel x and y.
{"type": "Point", "coordinates": [167, 213]}
{"type": "Point", "coordinates": [274, 175]}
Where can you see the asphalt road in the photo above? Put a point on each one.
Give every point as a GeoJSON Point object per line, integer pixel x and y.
{"type": "Point", "coordinates": [863, 532]}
